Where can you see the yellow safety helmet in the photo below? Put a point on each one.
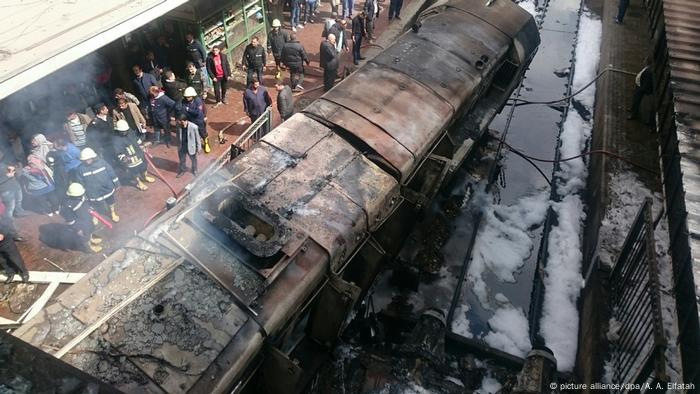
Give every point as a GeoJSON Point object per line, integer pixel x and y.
{"type": "Point", "coordinates": [75, 190]}
{"type": "Point", "coordinates": [276, 23]}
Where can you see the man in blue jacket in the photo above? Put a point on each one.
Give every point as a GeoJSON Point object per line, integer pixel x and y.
{"type": "Point", "coordinates": [194, 108]}
{"type": "Point", "coordinates": [161, 111]}
{"type": "Point", "coordinates": [142, 83]}
{"type": "Point", "coordinates": [256, 100]}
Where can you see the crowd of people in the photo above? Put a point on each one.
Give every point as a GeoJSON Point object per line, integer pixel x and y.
{"type": "Point", "coordinates": [77, 174]}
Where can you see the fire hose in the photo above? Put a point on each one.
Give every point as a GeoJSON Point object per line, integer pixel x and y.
{"type": "Point", "coordinates": [148, 158]}
{"type": "Point", "coordinates": [160, 176]}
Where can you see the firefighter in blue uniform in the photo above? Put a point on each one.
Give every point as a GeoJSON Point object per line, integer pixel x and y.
{"type": "Point", "coordinates": [76, 211]}
{"type": "Point", "coordinates": [127, 147]}
{"type": "Point", "coordinates": [100, 182]}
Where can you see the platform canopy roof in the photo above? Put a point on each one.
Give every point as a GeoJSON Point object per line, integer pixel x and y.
{"type": "Point", "coordinates": [39, 37]}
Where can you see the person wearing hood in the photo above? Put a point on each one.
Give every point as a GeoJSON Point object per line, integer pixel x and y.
{"type": "Point", "coordinates": [76, 212]}
{"type": "Point", "coordinates": [127, 147]}
{"type": "Point", "coordinates": [100, 182]}
{"type": "Point", "coordinates": [161, 111]}
{"type": "Point", "coordinates": [39, 184]}
{"type": "Point", "coordinates": [276, 39]}
{"type": "Point", "coordinates": [40, 149]}
{"type": "Point", "coordinates": [194, 108]}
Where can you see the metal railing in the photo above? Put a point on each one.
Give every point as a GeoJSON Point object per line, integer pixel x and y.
{"type": "Point", "coordinates": [637, 350]}
{"type": "Point", "coordinates": [674, 194]}
{"type": "Point", "coordinates": [252, 134]}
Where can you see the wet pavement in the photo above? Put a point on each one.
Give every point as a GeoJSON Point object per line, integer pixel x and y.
{"type": "Point", "coordinates": [448, 235]}
{"type": "Point", "coordinates": [136, 207]}
{"type": "Point", "coordinates": [534, 130]}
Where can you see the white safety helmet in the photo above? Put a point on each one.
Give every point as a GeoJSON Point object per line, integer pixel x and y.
{"type": "Point", "coordinates": [122, 125]}
{"type": "Point", "coordinates": [87, 154]}
{"type": "Point", "coordinates": [75, 190]}
{"type": "Point", "coordinates": [190, 92]}
{"type": "Point", "coordinates": [276, 23]}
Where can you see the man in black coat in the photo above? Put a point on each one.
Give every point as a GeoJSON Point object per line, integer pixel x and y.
{"type": "Point", "coordinates": [99, 132]}
{"type": "Point", "coordinates": [14, 264]}
{"type": "Point", "coordinates": [276, 39]}
{"type": "Point", "coordinates": [172, 86]}
{"type": "Point", "coordinates": [329, 61]}
{"type": "Point", "coordinates": [285, 100]}
{"type": "Point", "coordinates": [358, 31]}
{"type": "Point", "coordinates": [197, 55]}
{"type": "Point", "coordinates": [294, 57]}
{"type": "Point", "coordinates": [254, 60]}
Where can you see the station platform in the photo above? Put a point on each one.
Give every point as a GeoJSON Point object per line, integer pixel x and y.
{"type": "Point", "coordinates": [135, 207]}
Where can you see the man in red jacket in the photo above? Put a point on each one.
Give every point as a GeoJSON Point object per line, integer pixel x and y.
{"type": "Point", "coordinates": [219, 71]}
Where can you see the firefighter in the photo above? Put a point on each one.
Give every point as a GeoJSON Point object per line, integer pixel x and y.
{"type": "Point", "coordinates": [127, 147]}
{"type": "Point", "coordinates": [77, 214]}
{"type": "Point", "coordinates": [194, 108]}
{"type": "Point", "coordinates": [100, 182]}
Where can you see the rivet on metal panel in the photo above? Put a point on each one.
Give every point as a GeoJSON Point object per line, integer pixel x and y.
{"type": "Point", "coordinates": [484, 58]}
{"type": "Point", "coordinates": [402, 86]}
{"type": "Point", "coordinates": [479, 65]}
{"type": "Point", "coordinates": [376, 110]}
{"type": "Point", "coordinates": [304, 248]}
{"type": "Point", "coordinates": [458, 69]}
{"type": "Point", "coordinates": [442, 84]}
{"type": "Point", "coordinates": [397, 59]}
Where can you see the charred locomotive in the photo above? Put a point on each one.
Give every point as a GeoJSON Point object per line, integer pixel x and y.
{"type": "Point", "coordinates": [249, 280]}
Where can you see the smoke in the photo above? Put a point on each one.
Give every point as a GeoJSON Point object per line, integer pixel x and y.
{"type": "Point", "coordinates": [42, 106]}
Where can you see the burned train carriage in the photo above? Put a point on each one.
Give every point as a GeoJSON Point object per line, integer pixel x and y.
{"type": "Point", "coordinates": [250, 279]}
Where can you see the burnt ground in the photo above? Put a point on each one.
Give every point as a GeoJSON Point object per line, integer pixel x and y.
{"type": "Point", "coordinates": [135, 207]}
